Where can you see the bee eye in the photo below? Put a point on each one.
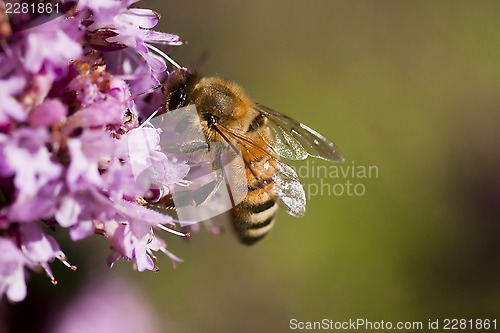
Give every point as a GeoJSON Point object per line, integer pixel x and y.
{"type": "Point", "coordinates": [211, 120]}
{"type": "Point", "coordinates": [176, 99]}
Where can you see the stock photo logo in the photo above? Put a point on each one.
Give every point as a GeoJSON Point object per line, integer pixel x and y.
{"type": "Point", "coordinates": [349, 179]}
{"type": "Point", "coordinates": [216, 181]}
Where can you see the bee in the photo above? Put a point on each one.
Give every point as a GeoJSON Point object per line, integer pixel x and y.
{"type": "Point", "coordinates": [264, 137]}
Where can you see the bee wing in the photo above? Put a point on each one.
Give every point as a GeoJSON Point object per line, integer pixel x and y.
{"type": "Point", "coordinates": [296, 141]}
{"type": "Point", "coordinates": [288, 191]}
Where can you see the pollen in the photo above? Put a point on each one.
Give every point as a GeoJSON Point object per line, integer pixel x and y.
{"type": "Point", "coordinates": [239, 112]}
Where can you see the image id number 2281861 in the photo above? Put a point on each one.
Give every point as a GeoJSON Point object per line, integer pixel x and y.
{"type": "Point", "coordinates": [31, 7]}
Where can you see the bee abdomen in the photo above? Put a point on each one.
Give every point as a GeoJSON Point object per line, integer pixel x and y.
{"type": "Point", "coordinates": [254, 221]}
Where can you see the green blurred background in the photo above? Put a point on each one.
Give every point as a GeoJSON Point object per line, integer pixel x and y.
{"type": "Point", "coordinates": [412, 87]}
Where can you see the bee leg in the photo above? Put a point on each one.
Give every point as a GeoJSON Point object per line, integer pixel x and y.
{"type": "Point", "coordinates": [192, 147]}
{"type": "Point", "coordinates": [205, 192]}
{"type": "Point", "coordinates": [202, 194]}
{"type": "Point", "coordinates": [186, 148]}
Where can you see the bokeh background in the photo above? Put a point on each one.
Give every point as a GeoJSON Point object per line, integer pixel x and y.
{"type": "Point", "coordinates": [411, 87]}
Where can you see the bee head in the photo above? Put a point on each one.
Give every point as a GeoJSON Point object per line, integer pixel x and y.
{"type": "Point", "coordinates": [219, 101]}
{"type": "Point", "coordinates": [211, 119]}
{"type": "Point", "coordinates": [177, 89]}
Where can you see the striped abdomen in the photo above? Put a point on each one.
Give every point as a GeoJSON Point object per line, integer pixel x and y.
{"type": "Point", "coordinates": [253, 218]}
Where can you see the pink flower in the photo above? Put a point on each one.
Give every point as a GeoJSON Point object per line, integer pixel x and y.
{"type": "Point", "coordinates": [50, 112]}
{"type": "Point", "coordinates": [38, 247]}
{"type": "Point", "coordinates": [12, 263]}
{"type": "Point", "coordinates": [9, 106]}
{"type": "Point", "coordinates": [62, 51]}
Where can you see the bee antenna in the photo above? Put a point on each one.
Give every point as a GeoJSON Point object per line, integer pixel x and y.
{"type": "Point", "coordinates": [164, 55]}
{"type": "Point", "coordinates": [150, 90]}
{"type": "Point", "coordinates": [149, 119]}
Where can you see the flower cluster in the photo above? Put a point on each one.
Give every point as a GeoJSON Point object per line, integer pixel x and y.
{"type": "Point", "coordinates": [69, 123]}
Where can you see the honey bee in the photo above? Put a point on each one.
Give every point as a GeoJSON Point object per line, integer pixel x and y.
{"type": "Point", "coordinates": [263, 136]}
